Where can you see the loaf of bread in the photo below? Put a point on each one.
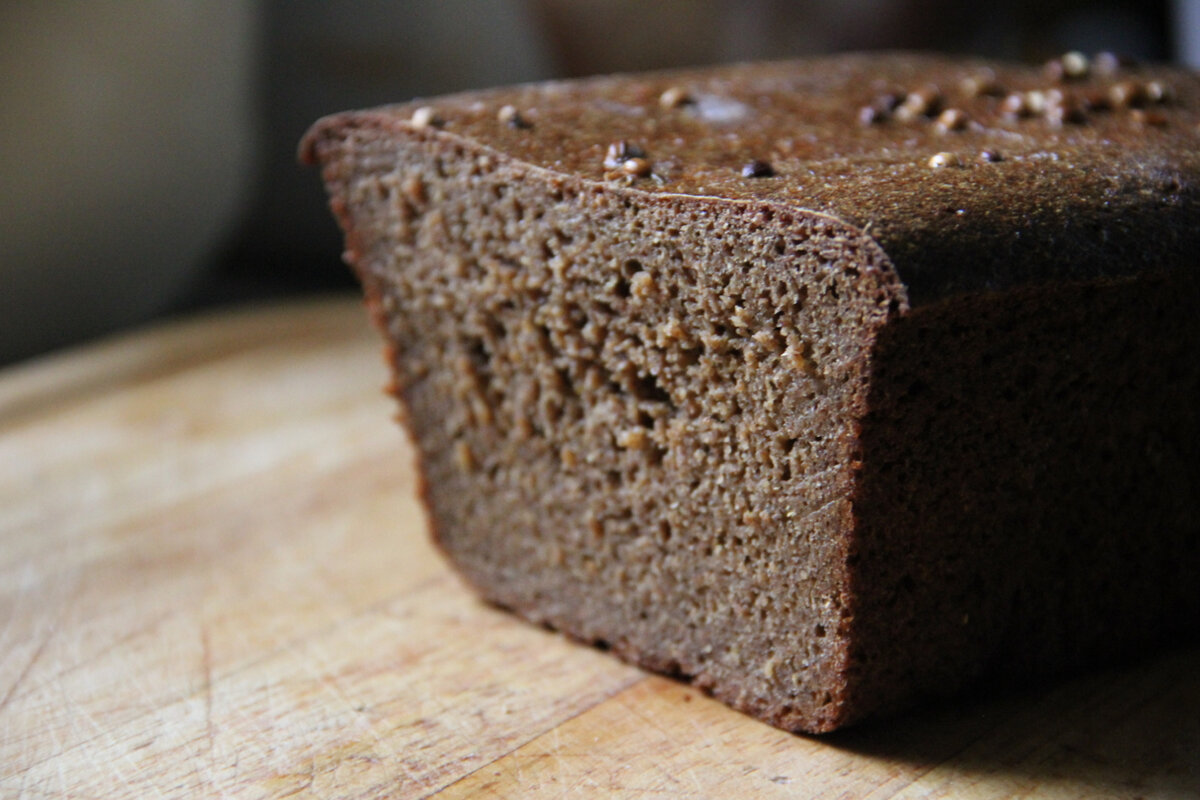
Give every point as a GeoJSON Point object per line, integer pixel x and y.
{"type": "Point", "coordinates": [827, 385]}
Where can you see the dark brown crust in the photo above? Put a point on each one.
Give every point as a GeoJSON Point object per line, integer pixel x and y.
{"type": "Point", "coordinates": [1077, 199]}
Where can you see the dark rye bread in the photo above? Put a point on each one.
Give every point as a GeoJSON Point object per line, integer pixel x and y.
{"type": "Point", "coordinates": [825, 385]}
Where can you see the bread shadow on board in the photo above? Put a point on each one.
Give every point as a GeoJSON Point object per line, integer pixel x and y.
{"type": "Point", "coordinates": [1132, 730]}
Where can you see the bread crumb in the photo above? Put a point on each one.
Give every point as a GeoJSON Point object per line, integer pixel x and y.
{"type": "Point", "coordinates": [796, 359]}
{"type": "Point", "coordinates": [641, 285]}
{"type": "Point", "coordinates": [768, 668]}
{"type": "Point", "coordinates": [669, 332]}
{"type": "Point", "coordinates": [632, 439]}
{"type": "Point", "coordinates": [463, 456]}
{"type": "Point", "coordinates": [414, 190]}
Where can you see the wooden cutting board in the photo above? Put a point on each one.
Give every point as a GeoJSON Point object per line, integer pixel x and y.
{"type": "Point", "coordinates": [215, 581]}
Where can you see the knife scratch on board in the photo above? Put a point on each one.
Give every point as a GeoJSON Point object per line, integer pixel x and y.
{"type": "Point", "coordinates": [69, 590]}
{"type": "Point", "coordinates": [24, 673]}
{"type": "Point", "coordinates": [207, 666]}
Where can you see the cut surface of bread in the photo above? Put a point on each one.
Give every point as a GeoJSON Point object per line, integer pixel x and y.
{"type": "Point", "coordinates": [825, 385]}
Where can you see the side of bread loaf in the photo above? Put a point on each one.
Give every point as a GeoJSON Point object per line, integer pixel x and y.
{"type": "Point", "coordinates": [667, 406]}
{"type": "Point", "coordinates": [1028, 503]}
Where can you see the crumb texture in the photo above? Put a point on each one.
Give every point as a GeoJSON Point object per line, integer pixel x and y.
{"type": "Point", "coordinates": [635, 413]}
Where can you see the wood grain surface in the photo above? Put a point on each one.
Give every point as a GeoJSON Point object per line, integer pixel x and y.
{"type": "Point", "coordinates": [215, 582]}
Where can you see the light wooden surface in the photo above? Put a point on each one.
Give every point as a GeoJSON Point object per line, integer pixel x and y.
{"type": "Point", "coordinates": [214, 581]}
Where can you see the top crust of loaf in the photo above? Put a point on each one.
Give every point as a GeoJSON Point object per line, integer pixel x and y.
{"type": "Point", "coordinates": [972, 175]}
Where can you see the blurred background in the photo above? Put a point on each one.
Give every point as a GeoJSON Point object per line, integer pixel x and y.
{"type": "Point", "coordinates": [147, 149]}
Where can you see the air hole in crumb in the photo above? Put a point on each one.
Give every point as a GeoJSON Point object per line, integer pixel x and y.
{"type": "Point", "coordinates": [477, 352]}
{"type": "Point", "coordinates": [786, 472]}
{"type": "Point", "coordinates": [780, 246]}
{"type": "Point", "coordinates": [664, 531]}
{"type": "Point", "coordinates": [552, 409]}
{"type": "Point", "coordinates": [819, 631]}
{"type": "Point", "coordinates": [689, 356]}
{"type": "Point", "coordinates": [575, 315]}
{"type": "Point", "coordinates": [621, 288]}
{"type": "Point", "coordinates": [645, 387]}
{"type": "Point", "coordinates": [567, 385]}
{"type": "Point", "coordinates": [789, 445]}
